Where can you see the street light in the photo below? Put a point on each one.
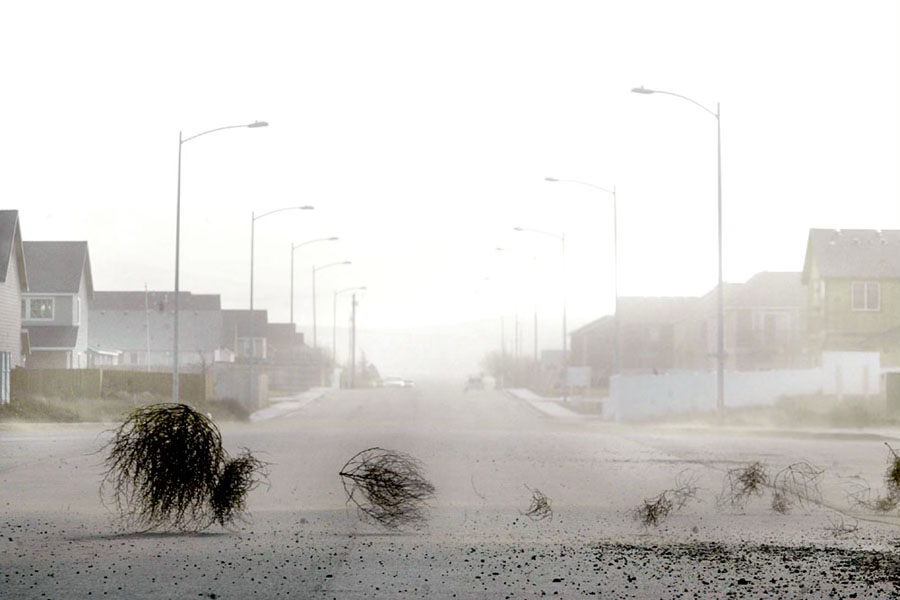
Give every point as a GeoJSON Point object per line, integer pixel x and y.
{"type": "Point", "coordinates": [181, 141]}
{"type": "Point", "coordinates": [293, 248]}
{"type": "Point", "coordinates": [612, 192]}
{"type": "Point", "coordinates": [334, 317]}
{"type": "Point", "coordinates": [314, 271]}
{"type": "Point", "coordinates": [720, 299]}
{"type": "Point", "coordinates": [253, 219]}
{"type": "Point", "coordinates": [562, 238]}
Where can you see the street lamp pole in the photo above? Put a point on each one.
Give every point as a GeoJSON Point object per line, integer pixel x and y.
{"type": "Point", "coordinates": [565, 334]}
{"type": "Point", "coordinates": [181, 142]}
{"type": "Point", "coordinates": [253, 219]}
{"type": "Point", "coordinates": [334, 317]}
{"type": "Point", "coordinates": [617, 359]}
{"type": "Point", "coordinates": [720, 291]}
{"type": "Point", "coordinates": [314, 271]}
{"type": "Point", "coordinates": [293, 249]}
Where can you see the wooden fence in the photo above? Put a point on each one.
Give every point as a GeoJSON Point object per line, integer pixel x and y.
{"type": "Point", "coordinates": [102, 383]}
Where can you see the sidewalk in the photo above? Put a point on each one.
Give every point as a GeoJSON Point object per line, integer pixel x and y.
{"type": "Point", "coordinates": [283, 407]}
{"type": "Point", "coordinates": [552, 407]}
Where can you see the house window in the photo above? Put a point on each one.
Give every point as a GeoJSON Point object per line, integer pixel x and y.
{"type": "Point", "coordinates": [76, 318]}
{"type": "Point", "coordinates": [865, 296]}
{"type": "Point", "coordinates": [38, 309]}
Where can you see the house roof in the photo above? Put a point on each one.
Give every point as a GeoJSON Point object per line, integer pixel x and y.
{"type": "Point", "coordinates": [57, 267]}
{"type": "Point", "coordinates": [765, 289]}
{"type": "Point", "coordinates": [647, 310]}
{"type": "Point", "coordinates": [52, 337]}
{"type": "Point", "coordinates": [852, 253]}
{"type": "Point", "coordinates": [238, 321]}
{"type": "Point", "coordinates": [157, 301]}
{"type": "Point", "coordinates": [11, 245]}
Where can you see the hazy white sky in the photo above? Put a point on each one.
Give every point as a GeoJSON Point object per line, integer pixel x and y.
{"type": "Point", "coordinates": [422, 131]}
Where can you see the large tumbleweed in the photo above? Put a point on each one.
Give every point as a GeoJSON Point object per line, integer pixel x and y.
{"type": "Point", "coordinates": [166, 468]}
{"type": "Point", "coordinates": [387, 487]}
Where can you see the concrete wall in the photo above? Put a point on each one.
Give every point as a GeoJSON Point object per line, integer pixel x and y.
{"type": "Point", "coordinates": [634, 397]}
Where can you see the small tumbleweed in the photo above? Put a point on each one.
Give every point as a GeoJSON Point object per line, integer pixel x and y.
{"type": "Point", "coordinates": [540, 508]}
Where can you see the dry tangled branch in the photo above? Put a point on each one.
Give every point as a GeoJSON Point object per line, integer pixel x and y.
{"type": "Point", "coordinates": [166, 468]}
{"type": "Point", "coordinates": [797, 483]}
{"type": "Point", "coordinates": [387, 487]}
{"type": "Point", "coordinates": [741, 483]}
{"type": "Point", "coordinates": [653, 511]}
{"type": "Point", "coordinates": [838, 527]}
{"type": "Point", "coordinates": [540, 508]}
{"type": "Point", "coordinates": [861, 493]}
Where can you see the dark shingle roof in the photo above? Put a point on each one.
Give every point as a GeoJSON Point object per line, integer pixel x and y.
{"type": "Point", "coordinates": [56, 267]}
{"type": "Point", "coordinates": [157, 301]}
{"type": "Point", "coordinates": [52, 336]}
{"type": "Point", "coordinates": [11, 245]}
{"type": "Point", "coordinates": [852, 253]}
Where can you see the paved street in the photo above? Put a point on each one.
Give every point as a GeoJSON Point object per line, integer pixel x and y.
{"type": "Point", "coordinates": [481, 450]}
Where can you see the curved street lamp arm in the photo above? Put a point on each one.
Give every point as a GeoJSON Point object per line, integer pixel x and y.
{"type": "Point", "coordinates": [278, 210]}
{"type": "Point", "coordinates": [642, 90]}
{"type": "Point", "coordinates": [253, 124]}
{"type": "Point", "coordinates": [328, 239]}
{"type": "Point", "coordinates": [334, 264]}
{"type": "Point", "coordinates": [559, 236]}
{"type": "Point", "coordinates": [579, 182]}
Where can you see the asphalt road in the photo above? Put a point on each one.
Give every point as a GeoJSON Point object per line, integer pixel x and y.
{"type": "Point", "coordinates": [481, 450]}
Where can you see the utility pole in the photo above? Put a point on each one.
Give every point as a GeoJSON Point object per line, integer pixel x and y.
{"type": "Point", "coordinates": [353, 342]}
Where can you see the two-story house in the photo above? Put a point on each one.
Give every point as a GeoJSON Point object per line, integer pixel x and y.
{"type": "Point", "coordinates": [852, 279]}
{"type": "Point", "coordinates": [765, 324]}
{"type": "Point", "coordinates": [55, 307]}
{"type": "Point", "coordinates": [237, 331]}
{"type": "Point", "coordinates": [14, 343]}
{"type": "Point", "coordinates": [139, 326]}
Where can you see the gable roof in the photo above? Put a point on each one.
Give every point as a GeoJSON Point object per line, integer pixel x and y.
{"type": "Point", "coordinates": [57, 267]}
{"type": "Point", "coordinates": [852, 253]}
{"type": "Point", "coordinates": [11, 245]}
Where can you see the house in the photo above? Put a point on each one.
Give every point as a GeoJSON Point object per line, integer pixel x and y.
{"type": "Point", "coordinates": [139, 326]}
{"type": "Point", "coordinates": [284, 344]}
{"type": "Point", "coordinates": [237, 331]}
{"type": "Point", "coordinates": [852, 279]}
{"type": "Point", "coordinates": [764, 318]}
{"type": "Point", "coordinates": [14, 341]}
{"type": "Point", "coordinates": [765, 324]}
{"type": "Point", "coordinates": [55, 308]}
{"type": "Point", "coordinates": [647, 328]}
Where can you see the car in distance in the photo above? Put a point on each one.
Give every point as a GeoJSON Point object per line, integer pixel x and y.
{"type": "Point", "coordinates": [393, 382]}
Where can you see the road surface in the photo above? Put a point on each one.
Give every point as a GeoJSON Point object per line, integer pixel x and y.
{"type": "Point", "coordinates": [481, 450]}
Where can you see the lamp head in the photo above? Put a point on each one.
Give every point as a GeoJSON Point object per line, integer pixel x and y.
{"type": "Point", "coordinates": [347, 262]}
{"type": "Point", "coordinates": [518, 229]}
{"type": "Point", "coordinates": [258, 124]}
{"type": "Point", "coordinates": [332, 239]}
{"type": "Point", "coordinates": [554, 179]}
{"type": "Point", "coordinates": [642, 90]}
{"type": "Point", "coordinates": [306, 207]}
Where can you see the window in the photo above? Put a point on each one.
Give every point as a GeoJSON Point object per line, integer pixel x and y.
{"type": "Point", "coordinates": [865, 296]}
{"type": "Point", "coordinates": [76, 318]}
{"type": "Point", "coordinates": [38, 309]}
